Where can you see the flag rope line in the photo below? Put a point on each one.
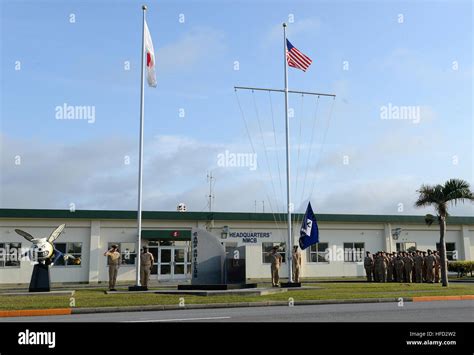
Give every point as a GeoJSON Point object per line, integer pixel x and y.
{"type": "Point", "coordinates": [298, 157]}
{"type": "Point", "coordinates": [276, 153]}
{"type": "Point", "coordinates": [266, 152]}
{"type": "Point", "coordinates": [253, 150]}
{"type": "Point", "coordinates": [310, 148]}
{"type": "Point", "coordinates": [245, 122]}
{"type": "Point", "coordinates": [309, 156]}
{"type": "Point", "coordinates": [322, 145]}
{"type": "Point", "coordinates": [320, 151]}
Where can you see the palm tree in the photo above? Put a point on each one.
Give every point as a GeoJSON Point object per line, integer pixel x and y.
{"type": "Point", "coordinates": [453, 191]}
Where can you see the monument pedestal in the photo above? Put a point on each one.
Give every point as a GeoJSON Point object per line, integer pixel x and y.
{"type": "Point", "coordinates": [40, 281]}
{"type": "Point", "coordinates": [290, 284]}
{"type": "Point", "coordinates": [216, 287]}
{"type": "Point", "coordinates": [137, 288]}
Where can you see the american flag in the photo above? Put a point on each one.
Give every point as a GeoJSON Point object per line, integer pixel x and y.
{"type": "Point", "coordinates": [295, 58]}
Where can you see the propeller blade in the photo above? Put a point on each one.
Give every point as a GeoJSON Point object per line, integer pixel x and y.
{"type": "Point", "coordinates": [24, 234]}
{"type": "Point", "coordinates": [75, 260]}
{"type": "Point", "coordinates": [56, 233]}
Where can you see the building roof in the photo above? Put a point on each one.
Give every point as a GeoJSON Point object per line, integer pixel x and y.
{"type": "Point", "coordinates": [216, 216]}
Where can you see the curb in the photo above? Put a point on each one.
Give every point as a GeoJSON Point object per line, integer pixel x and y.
{"type": "Point", "coordinates": [37, 312]}
{"type": "Point", "coordinates": [443, 298]}
{"type": "Point", "coordinates": [232, 305]}
{"type": "Point", "coordinates": [32, 294]}
{"type": "Point", "coordinates": [69, 311]}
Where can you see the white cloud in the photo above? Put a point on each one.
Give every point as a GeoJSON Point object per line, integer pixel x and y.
{"type": "Point", "coordinates": [378, 196]}
{"type": "Point", "coordinates": [92, 175]}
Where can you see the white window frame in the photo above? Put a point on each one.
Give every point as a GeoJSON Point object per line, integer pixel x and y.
{"type": "Point", "coordinates": [74, 254]}
{"type": "Point", "coordinates": [283, 254]}
{"type": "Point", "coordinates": [4, 266]}
{"type": "Point", "coordinates": [122, 254]}
{"type": "Point", "coordinates": [450, 252]}
{"type": "Point", "coordinates": [404, 246]}
{"type": "Point", "coordinates": [353, 252]}
{"type": "Point", "coordinates": [318, 252]}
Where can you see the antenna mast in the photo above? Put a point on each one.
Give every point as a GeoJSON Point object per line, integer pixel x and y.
{"type": "Point", "coordinates": [211, 195]}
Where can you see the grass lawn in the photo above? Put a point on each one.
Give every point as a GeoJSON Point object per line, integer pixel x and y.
{"type": "Point", "coordinates": [97, 297]}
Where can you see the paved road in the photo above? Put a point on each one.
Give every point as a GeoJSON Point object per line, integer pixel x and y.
{"type": "Point", "coordinates": [446, 311]}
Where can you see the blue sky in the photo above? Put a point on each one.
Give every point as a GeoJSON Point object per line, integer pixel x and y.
{"type": "Point", "coordinates": [424, 61]}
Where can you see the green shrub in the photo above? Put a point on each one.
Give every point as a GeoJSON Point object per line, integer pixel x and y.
{"type": "Point", "coordinates": [462, 267]}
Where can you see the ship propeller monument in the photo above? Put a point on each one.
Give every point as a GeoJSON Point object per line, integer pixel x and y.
{"type": "Point", "coordinates": [44, 254]}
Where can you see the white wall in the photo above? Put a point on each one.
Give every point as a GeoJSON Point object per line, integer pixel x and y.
{"type": "Point", "coordinates": [373, 240]}
{"type": "Point", "coordinates": [74, 273]}
{"type": "Point", "coordinates": [470, 235]}
{"type": "Point", "coordinates": [335, 234]}
{"type": "Point", "coordinates": [426, 238]}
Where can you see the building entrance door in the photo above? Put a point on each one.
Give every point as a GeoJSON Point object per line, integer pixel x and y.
{"type": "Point", "coordinates": [172, 263]}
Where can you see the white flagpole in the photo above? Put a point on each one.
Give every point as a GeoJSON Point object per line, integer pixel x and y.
{"type": "Point", "coordinates": [289, 246]}
{"type": "Point", "coordinates": [140, 154]}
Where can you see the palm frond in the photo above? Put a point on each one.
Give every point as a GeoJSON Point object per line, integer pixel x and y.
{"type": "Point", "coordinates": [429, 219]}
{"type": "Point", "coordinates": [426, 196]}
{"type": "Point", "coordinates": [453, 191]}
{"type": "Point", "coordinates": [457, 190]}
{"type": "Point", "coordinates": [430, 195]}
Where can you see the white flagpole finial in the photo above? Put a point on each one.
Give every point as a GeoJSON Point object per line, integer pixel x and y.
{"type": "Point", "coordinates": [144, 7]}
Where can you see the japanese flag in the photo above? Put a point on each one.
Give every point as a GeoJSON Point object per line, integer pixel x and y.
{"type": "Point", "coordinates": [150, 58]}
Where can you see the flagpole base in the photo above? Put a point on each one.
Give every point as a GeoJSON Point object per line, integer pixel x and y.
{"type": "Point", "coordinates": [137, 288]}
{"type": "Point", "coordinates": [290, 284]}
